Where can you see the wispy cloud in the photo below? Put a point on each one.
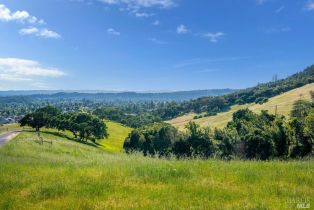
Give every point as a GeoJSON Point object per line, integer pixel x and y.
{"type": "Point", "coordinates": [49, 34]}
{"type": "Point", "coordinates": [141, 3]}
{"type": "Point", "coordinates": [261, 2]}
{"type": "Point", "coordinates": [143, 14]}
{"type": "Point", "coordinates": [197, 61]}
{"type": "Point", "coordinates": [182, 29]}
{"type": "Point", "coordinates": [279, 29]}
{"type": "Point", "coordinates": [208, 70]}
{"type": "Point", "coordinates": [28, 31]}
{"type": "Point", "coordinates": [214, 37]}
{"type": "Point", "coordinates": [45, 33]}
{"type": "Point", "coordinates": [24, 17]}
{"type": "Point", "coordinates": [157, 41]}
{"type": "Point", "coordinates": [13, 78]}
{"type": "Point", "coordinates": [136, 7]}
{"type": "Point", "coordinates": [310, 5]}
{"type": "Point", "coordinates": [280, 9]}
{"type": "Point", "coordinates": [20, 15]}
{"type": "Point", "coordinates": [15, 69]}
{"type": "Point", "coordinates": [156, 23]}
{"type": "Point", "coordinates": [113, 32]}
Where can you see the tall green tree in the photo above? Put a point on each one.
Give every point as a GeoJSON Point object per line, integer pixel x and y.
{"type": "Point", "coordinates": [40, 118]}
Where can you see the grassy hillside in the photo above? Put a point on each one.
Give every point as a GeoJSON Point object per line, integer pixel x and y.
{"type": "Point", "coordinates": [69, 175]}
{"type": "Point", "coordinates": [9, 127]}
{"type": "Point", "coordinates": [284, 104]}
{"type": "Point", "coordinates": [114, 143]}
{"type": "Point", "coordinates": [117, 134]}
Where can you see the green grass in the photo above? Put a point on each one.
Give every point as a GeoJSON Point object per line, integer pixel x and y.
{"type": "Point", "coordinates": [117, 134]}
{"type": "Point", "coordinates": [69, 175]}
{"type": "Point", "coordinates": [284, 104]}
{"type": "Point", "coordinates": [9, 127]}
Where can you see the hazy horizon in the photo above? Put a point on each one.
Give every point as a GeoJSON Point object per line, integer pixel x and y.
{"type": "Point", "coordinates": [113, 91]}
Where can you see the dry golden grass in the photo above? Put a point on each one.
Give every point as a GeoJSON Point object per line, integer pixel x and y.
{"type": "Point", "coordinates": [181, 121]}
{"type": "Point", "coordinates": [284, 104]}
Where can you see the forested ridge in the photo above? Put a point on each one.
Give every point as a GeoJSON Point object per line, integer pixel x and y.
{"type": "Point", "coordinates": [258, 94]}
{"type": "Point", "coordinates": [100, 96]}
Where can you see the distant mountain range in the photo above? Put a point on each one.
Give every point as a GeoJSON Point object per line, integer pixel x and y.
{"type": "Point", "coordinates": [50, 92]}
{"type": "Point", "coordinates": [115, 95]}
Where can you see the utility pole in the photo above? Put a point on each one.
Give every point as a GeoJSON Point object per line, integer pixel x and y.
{"type": "Point", "coordinates": [276, 110]}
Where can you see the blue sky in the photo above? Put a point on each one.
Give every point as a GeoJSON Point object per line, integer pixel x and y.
{"type": "Point", "coordinates": [146, 45]}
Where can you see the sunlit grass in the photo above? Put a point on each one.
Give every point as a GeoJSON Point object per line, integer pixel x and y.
{"type": "Point", "coordinates": [70, 175]}
{"type": "Point", "coordinates": [117, 134]}
{"type": "Point", "coordinates": [9, 127]}
{"type": "Point", "coordinates": [284, 103]}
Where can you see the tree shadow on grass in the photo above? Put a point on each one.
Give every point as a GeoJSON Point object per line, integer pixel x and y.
{"type": "Point", "coordinates": [62, 135]}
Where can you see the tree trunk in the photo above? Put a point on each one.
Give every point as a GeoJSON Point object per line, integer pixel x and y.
{"type": "Point", "coordinates": [75, 135]}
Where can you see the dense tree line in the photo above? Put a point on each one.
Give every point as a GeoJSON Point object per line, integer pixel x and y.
{"type": "Point", "coordinates": [248, 136]}
{"type": "Point", "coordinates": [15, 104]}
{"type": "Point", "coordinates": [131, 120]}
{"type": "Point", "coordinates": [83, 125]}
{"type": "Point", "coordinates": [99, 96]}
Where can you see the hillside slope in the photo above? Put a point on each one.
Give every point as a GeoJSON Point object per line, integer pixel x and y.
{"type": "Point", "coordinates": [283, 102]}
{"type": "Point", "coordinates": [70, 175]}
{"type": "Point", "coordinates": [117, 134]}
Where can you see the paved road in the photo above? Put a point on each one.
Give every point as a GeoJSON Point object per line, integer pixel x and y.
{"type": "Point", "coordinates": [7, 136]}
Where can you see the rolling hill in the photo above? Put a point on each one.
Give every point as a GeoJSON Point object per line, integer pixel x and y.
{"type": "Point", "coordinates": [283, 102]}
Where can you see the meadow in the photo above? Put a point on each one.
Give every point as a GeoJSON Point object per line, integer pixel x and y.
{"type": "Point", "coordinates": [282, 103]}
{"type": "Point", "coordinates": [9, 127]}
{"type": "Point", "coordinates": [117, 135]}
{"type": "Point", "coordinates": [71, 175]}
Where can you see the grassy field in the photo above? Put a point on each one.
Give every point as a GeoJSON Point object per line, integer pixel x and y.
{"type": "Point", "coordinates": [70, 175]}
{"type": "Point", "coordinates": [9, 127]}
{"type": "Point", "coordinates": [117, 135]}
{"type": "Point", "coordinates": [284, 104]}
{"type": "Point", "coordinates": [114, 143]}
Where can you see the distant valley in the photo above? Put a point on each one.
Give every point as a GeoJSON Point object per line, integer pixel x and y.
{"type": "Point", "coordinates": [114, 96]}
